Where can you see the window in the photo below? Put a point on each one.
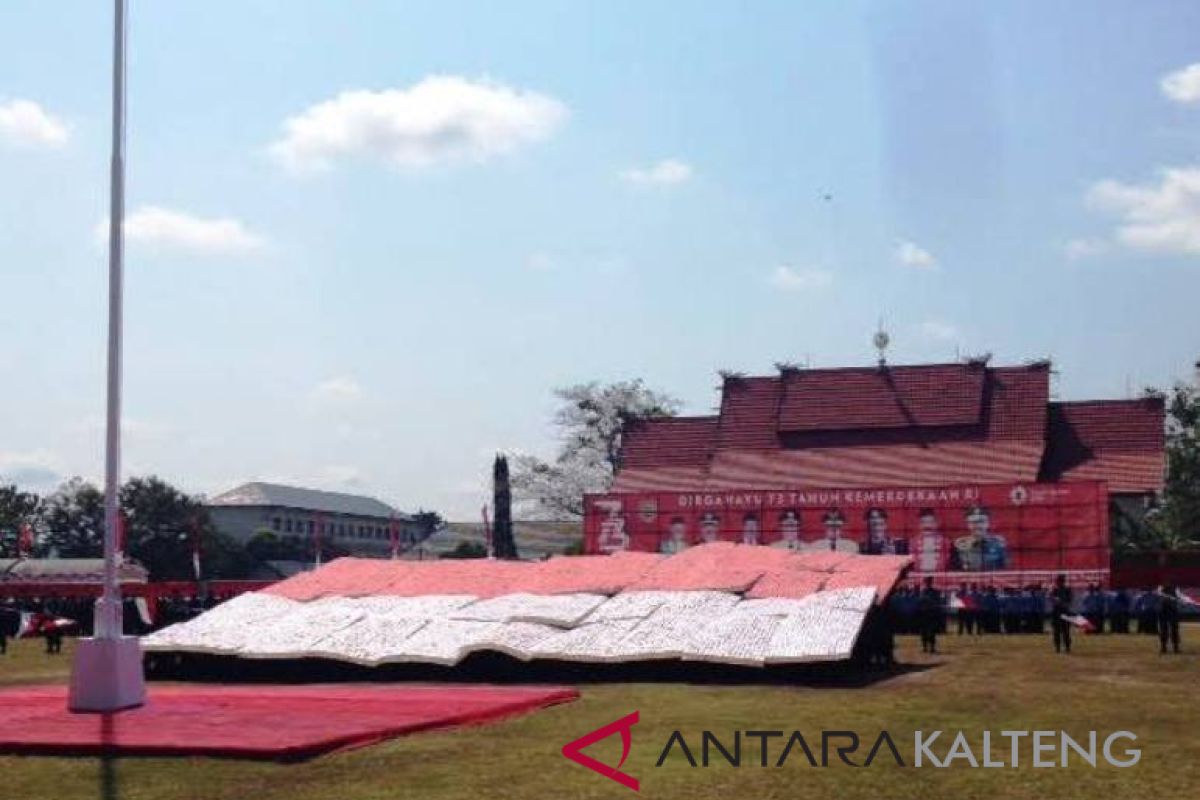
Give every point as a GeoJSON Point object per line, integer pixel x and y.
{"type": "Point", "coordinates": [277, 523]}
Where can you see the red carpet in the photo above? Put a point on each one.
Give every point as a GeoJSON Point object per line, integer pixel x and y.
{"type": "Point", "coordinates": [284, 723]}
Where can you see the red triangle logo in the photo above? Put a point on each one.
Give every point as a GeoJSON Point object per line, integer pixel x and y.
{"type": "Point", "coordinates": [574, 750]}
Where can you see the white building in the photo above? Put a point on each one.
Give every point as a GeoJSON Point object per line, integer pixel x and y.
{"type": "Point", "coordinates": [357, 524]}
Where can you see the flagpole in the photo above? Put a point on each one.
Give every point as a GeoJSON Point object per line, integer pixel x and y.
{"type": "Point", "coordinates": [107, 673]}
{"type": "Point", "coordinates": [108, 619]}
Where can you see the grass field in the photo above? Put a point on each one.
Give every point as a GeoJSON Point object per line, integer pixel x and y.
{"type": "Point", "coordinates": [1110, 683]}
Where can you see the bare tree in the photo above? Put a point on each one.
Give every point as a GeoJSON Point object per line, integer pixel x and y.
{"type": "Point", "coordinates": [591, 417]}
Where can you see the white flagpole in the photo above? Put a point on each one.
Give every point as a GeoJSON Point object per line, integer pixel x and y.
{"type": "Point", "coordinates": [107, 674]}
{"type": "Point", "coordinates": [108, 617]}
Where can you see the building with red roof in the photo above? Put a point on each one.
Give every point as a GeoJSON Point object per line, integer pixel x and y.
{"type": "Point", "coordinates": [912, 425]}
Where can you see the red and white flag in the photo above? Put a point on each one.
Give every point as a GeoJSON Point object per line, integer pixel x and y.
{"type": "Point", "coordinates": [25, 541]}
{"type": "Point", "coordinates": [1080, 621]}
{"type": "Point", "coordinates": [29, 625]}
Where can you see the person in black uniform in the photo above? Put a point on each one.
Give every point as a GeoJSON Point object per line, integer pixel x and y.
{"type": "Point", "coordinates": [1168, 617]}
{"type": "Point", "coordinates": [930, 612]}
{"type": "Point", "coordinates": [1060, 606]}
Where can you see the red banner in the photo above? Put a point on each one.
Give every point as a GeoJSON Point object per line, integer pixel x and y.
{"type": "Point", "coordinates": [1003, 534]}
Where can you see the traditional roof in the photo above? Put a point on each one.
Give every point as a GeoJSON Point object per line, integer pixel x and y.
{"type": "Point", "coordinates": [899, 397]}
{"type": "Point", "coordinates": [274, 495]}
{"type": "Point", "coordinates": [912, 425]}
{"type": "Point", "coordinates": [66, 570]}
{"type": "Point", "coordinates": [673, 441]}
{"type": "Point", "coordinates": [1120, 441]}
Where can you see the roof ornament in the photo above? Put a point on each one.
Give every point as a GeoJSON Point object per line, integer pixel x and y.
{"type": "Point", "coordinates": [881, 341]}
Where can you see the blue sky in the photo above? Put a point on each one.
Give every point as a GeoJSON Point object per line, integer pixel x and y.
{"type": "Point", "coordinates": [368, 239]}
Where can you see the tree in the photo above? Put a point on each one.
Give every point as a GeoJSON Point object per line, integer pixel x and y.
{"type": "Point", "coordinates": [467, 550]}
{"type": "Point", "coordinates": [17, 509]}
{"type": "Point", "coordinates": [1175, 523]}
{"type": "Point", "coordinates": [267, 545]}
{"type": "Point", "coordinates": [73, 520]}
{"type": "Point", "coordinates": [591, 417]}
{"type": "Point", "coordinates": [426, 522]}
{"type": "Point", "coordinates": [503, 543]}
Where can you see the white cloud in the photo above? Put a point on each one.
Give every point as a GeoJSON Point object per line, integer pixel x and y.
{"type": "Point", "coordinates": [911, 255]}
{"type": "Point", "coordinates": [442, 119]}
{"type": "Point", "coordinates": [27, 124]}
{"type": "Point", "coordinates": [668, 172]}
{"type": "Point", "coordinates": [1079, 249]}
{"type": "Point", "coordinates": [937, 329]}
{"type": "Point", "coordinates": [37, 470]}
{"type": "Point", "coordinates": [1161, 217]}
{"type": "Point", "coordinates": [800, 280]}
{"type": "Point", "coordinates": [163, 230]}
{"type": "Point", "coordinates": [341, 390]}
{"type": "Point", "coordinates": [341, 476]}
{"type": "Point", "coordinates": [1183, 85]}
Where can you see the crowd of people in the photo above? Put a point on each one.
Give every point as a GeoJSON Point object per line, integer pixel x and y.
{"type": "Point", "coordinates": [975, 610]}
{"type": "Point", "coordinates": [42, 617]}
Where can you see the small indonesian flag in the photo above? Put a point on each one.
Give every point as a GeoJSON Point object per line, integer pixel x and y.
{"type": "Point", "coordinates": [1080, 621]}
{"type": "Point", "coordinates": [29, 625]}
{"type": "Point", "coordinates": [144, 612]}
{"type": "Point", "coordinates": [25, 541]}
{"type": "Point", "coordinates": [963, 602]}
{"type": "Point", "coordinates": [57, 624]}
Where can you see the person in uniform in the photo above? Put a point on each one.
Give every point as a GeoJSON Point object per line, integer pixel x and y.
{"type": "Point", "coordinates": [612, 536]}
{"type": "Point", "coordinates": [930, 613]}
{"type": "Point", "coordinates": [1147, 610]}
{"type": "Point", "coordinates": [981, 549]}
{"type": "Point", "coordinates": [879, 542]}
{"type": "Point", "coordinates": [750, 529]}
{"type": "Point", "coordinates": [833, 522]}
{"type": "Point", "coordinates": [1168, 617]}
{"type": "Point", "coordinates": [930, 548]}
{"type": "Point", "coordinates": [789, 531]}
{"type": "Point", "coordinates": [1119, 611]}
{"type": "Point", "coordinates": [1037, 609]}
{"type": "Point", "coordinates": [676, 539]}
{"type": "Point", "coordinates": [1093, 607]}
{"type": "Point", "coordinates": [710, 528]}
{"type": "Point", "coordinates": [1060, 607]}
{"type": "Point", "coordinates": [963, 602]}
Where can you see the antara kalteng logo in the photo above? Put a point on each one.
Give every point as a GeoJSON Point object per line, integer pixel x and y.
{"type": "Point", "coordinates": [1012, 749]}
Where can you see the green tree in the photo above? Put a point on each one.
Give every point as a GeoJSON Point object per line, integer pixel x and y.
{"type": "Point", "coordinates": [467, 550]}
{"type": "Point", "coordinates": [427, 522]}
{"type": "Point", "coordinates": [17, 509]}
{"type": "Point", "coordinates": [73, 521]}
{"type": "Point", "coordinates": [267, 545]}
{"type": "Point", "coordinates": [591, 418]}
{"type": "Point", "coordinates": [504, 545]}
{"type": "Point", "coordinates": [1175, 523]}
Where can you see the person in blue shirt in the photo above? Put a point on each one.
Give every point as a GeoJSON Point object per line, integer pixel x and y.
{"type": "Point", "coordinates": [991, 610]}
{"type": "Point", "coordinates": [1093, 608]}
{"type": "Point", "coordinates": [1145, 606]}
{"type": "Point", "coordinates": [1118, 609]}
